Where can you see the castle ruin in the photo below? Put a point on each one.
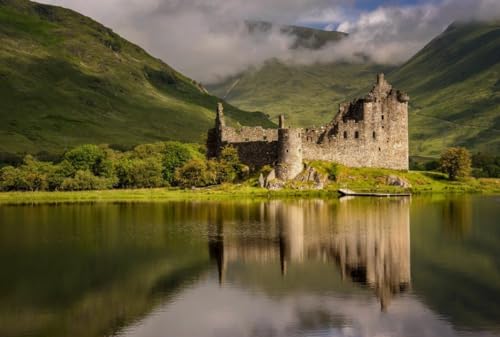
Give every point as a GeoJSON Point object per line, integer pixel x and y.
{"type": "Point", "coordinates": [367, 132]}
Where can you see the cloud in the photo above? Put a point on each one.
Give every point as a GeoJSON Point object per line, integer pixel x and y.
{"type": "Point", "coordinates": [208, 40]}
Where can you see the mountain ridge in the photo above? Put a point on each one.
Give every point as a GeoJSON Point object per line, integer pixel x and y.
{"type": "Point", "coordinates": [67, 80]}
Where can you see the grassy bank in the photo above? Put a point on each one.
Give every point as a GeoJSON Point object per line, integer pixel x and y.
{"type": "Point", "coordinates": [355, 179]}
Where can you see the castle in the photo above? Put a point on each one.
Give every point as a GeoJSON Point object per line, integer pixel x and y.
{"type": "Point", "coordinates": [367, 132]}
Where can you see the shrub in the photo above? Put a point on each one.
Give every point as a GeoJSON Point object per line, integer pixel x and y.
{"type": "Point", "coordinates": [176, 155]}
{"type": "Point", "coordinates": [85, 181]}
{"type": "Point", "coordinates": [197, 172]}
{"type": "Point", "coordinates": [432, 165]}
{"type": "Point", "coordinates": [140, 173]}
{"type": "Point", "coordinates": [456, 162]}
{"type": "Point", "coordinates": [229, 168]}
{"type": "Point", "coordinates": [85, 157]}
{"type": "Point", "coordinates": [9, 176]}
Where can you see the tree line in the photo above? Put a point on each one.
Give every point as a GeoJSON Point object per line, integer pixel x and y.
{"type": "Point", "coordinates": [98, 167]}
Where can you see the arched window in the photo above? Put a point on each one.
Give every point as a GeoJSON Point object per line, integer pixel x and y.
{"type": "Point", "coordinates": [374, 135]}
{"type": "Point", "coordinates": [382, 117]}
{"type": "Point", "coordinates": [356, 134]}
{"type": "Point", "coordinates": [345, 134]}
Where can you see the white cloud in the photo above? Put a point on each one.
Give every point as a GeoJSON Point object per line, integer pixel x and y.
{"type": "Point", "coordinates": [207, 39]}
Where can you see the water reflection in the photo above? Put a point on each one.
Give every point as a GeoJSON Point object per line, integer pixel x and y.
{"type": "Point", "coordinates": [252, 268]}
{"type": "Point", "coordinates": [368, 241]}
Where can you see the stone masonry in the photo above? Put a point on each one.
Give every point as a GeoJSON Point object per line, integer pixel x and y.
{"type": "Point", "coordinates": [367, 132]}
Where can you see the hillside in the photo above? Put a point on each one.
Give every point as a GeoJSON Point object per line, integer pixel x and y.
{"type": "Point", "coordinates": [307, 94]}
{"type": "Point", "coordinates": [65, 80]}
{"type": "Point", "coordinates": [304, 37]}
{"type": "Point", "coordinates": [454, 83]}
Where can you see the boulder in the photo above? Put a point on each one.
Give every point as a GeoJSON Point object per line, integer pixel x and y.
{"type": "Point", "coordinates": [393, 180]}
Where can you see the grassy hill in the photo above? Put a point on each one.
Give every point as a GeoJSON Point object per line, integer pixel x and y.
{"type": "Point", "coordinates": [307, 94]}
{"type": "Point", "coordinates": [65, 80]}
{"type": "Point", "coordinates": [454, 83]}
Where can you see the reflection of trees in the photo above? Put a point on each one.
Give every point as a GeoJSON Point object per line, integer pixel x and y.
{"type": "Point", "coordinates": [457, 216]}
{"type": "Point", "coordinates": [367, 239]}
{"type": "Point", "coordinates": [89, 270]}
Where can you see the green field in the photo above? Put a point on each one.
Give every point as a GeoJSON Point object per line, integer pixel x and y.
{"type": "Point", "coordinates": [66, 80]}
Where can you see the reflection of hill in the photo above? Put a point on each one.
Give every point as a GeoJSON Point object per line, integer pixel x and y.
{"type": "Point", "coordinates": [456, 258]}
{"type": "Point", "coordinates": [88, 270]}
{"type": "Point", "coordinates": [369, 241]}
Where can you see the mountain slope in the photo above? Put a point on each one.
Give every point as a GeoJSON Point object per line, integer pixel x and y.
{"type": "Point", "coordinates": [454, 84]}
{"type": "Point", "coordinates": [307, 94]}
{"type": "Point", "coordinates": [66, 80]}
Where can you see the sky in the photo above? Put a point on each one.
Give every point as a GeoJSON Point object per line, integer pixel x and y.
{"type": "Point", "coordinates": [208, 41]}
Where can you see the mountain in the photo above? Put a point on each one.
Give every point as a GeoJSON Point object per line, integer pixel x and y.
{"type": "Point", "coordinates": [304, 37]}
{"type": "Point", "coordinates": [307, 94]}
{"type": "Point", "coordinates": [66, 79]}
{"type": "Point", "coordinates": [454, 84]}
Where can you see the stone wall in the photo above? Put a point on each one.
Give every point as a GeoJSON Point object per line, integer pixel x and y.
{"type": "Point", "coordinates": [368, 132]}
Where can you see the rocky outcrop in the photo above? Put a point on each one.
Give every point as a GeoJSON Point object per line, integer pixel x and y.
{"type": "Point", "coordinates": [393, 180]}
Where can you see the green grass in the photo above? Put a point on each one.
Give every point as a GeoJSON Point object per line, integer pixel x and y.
{"type": "Point", "coordinates": [362, 180]}
{"type": "Point", "coordinates": [67, 80]}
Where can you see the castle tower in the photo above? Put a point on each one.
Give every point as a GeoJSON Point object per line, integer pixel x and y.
{"type": "Point", "coordinates": [289, 152]}
{"type": "Point", "coordinates": [219, 118]}
{"type": "Point", "coordinates": [214, 137]}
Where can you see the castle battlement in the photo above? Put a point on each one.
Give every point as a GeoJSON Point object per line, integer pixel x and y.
{"type": "Point", "coordinates": [368, 132]}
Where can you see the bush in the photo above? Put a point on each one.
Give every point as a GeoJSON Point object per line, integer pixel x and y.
{"type": "Point", "coordinates": [432, 165]}
{"type": "Point", "coordinates": [93, 158]}
{"type": "Point", "coordinates": [197, 172]}
{"type": "Point", "coordinates": [85, 181]}
{"type": "Point", "coordinates": [176, 155]}
{"type": "Point", "coordinates": [140, 173]}
{"type": "Point", "coordinates": [456, 162]}
{"type": "Point", "coordinates": [229, 168]}
{"type": "Point", "coordinates": [486, 166]}
{"type": "Point", "coordinates": [9, 176]}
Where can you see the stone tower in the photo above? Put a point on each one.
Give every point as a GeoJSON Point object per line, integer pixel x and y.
{"type": "Point", "coordinates": [289, 163]}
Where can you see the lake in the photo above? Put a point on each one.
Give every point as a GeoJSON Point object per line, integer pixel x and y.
{"type": "Point", "coordinates": [425, 266]}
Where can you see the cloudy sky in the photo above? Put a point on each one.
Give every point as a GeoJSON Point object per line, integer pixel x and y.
{"type": "Point", "coordinates": [207, 39]}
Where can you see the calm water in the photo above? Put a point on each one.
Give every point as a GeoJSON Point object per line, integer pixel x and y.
{"type": "Point", "coordinates": [358, 267]}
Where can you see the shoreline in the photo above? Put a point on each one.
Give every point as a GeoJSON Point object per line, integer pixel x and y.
{"type": "Point", "coordinates": [224, 192]}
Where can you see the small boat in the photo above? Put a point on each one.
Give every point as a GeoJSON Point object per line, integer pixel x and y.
{"type": "Point", "coordinates": [346, 192]}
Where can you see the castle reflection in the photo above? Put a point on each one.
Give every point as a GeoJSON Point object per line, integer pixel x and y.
{"type": "Point", "coordinates": [367, 240]}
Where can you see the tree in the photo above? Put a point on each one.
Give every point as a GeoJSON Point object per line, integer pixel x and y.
{"type": "Point", "coordinates": [86, 181]}
{"type": "Point", "coordinates": [456, 162]}
{"type": "Point", "coordinates": [85, 157]}
{"type": "Point", "coordinates": [176, 155]}
{"type": "Point", "coordinates": [140, 173]}
{"type": "Point", "coordinates": [9, 176]}
{"type": "Point", "coordinates": [229, 167]}
{"type": "Point", "coordinates": [196, 172]}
